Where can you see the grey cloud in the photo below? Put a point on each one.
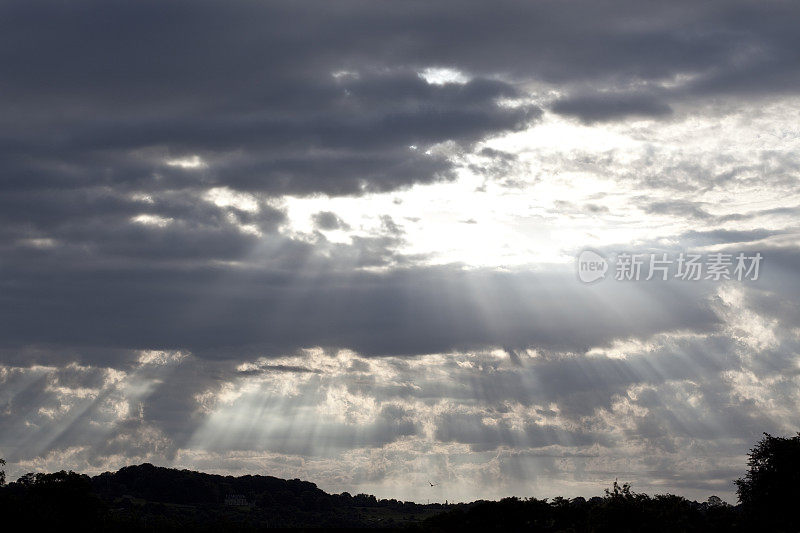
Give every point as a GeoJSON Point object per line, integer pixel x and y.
{"type": "Point", "coordinates": [470, 429]}
{"type": "Point", "coordinates": [497, 165]}
{"type": "Point", "coordinates": [328, 220]}
{"type": "Point", "coordinates": [595, 209]}
{"type": "Point", "coordinates": [92, 111]}
{"type": "Point", "coordinates": [718, 423]}
{"type": "Point", "coordinates": [685, 208]}
{"type": "Point", "coordinates": [776, 211]}
{"type": "Point", "coordinates": [721, 236]}
{"type": "Point", "coordinates": [241, 88]}
{"type": "Point", "coordinates": [277, 368]}
{"type": "Point", "coordinates": [565, 207]}
{"type": "Point", "coordinates": [607, 107]}
{"type": "Point", "coordinates": [418, 310]}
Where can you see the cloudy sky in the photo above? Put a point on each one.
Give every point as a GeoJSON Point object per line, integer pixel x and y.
{"type": "Point", "coordinates": [337, 240]}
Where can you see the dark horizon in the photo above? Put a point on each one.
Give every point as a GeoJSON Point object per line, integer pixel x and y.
{"type": "Point", "coordinates": [151, 498]}
{"type": "Point", "coordinates": [423, 500]}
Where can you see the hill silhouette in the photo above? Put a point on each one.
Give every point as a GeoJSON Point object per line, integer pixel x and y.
{"type": "Point", "coordinates": [152, 498]}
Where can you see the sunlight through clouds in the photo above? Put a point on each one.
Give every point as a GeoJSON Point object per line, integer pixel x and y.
{"type": "Point", "coordinates": [354, 258]}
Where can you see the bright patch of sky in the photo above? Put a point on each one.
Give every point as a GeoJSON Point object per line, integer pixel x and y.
{"type": "Point", "coordinates": [574, 186]}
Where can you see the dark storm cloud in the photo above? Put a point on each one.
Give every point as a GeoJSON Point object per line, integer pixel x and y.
{"type": "Point", "coordinates": [88, 85]}
{"type": "Point", "coordinates": [306, 98]}
{"type": "Point", "coordinates": [216, 313]}
{"type": "Point", "coordinates": [94, 94]}
{"type": "Point", "coordinates": [604, 107]}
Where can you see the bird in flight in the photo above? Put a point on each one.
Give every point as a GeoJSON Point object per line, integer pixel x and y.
{"type": "Point", "coordinates": [432, 484]}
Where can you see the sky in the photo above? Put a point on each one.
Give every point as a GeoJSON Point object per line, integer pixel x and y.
{"type": "Point", "coordinates": [337, 241]}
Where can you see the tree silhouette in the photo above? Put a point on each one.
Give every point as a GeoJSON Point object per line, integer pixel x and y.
{"type": "Point", "coordinates": [2, 472]}
{"type": "Point", "coordinates": [715, 501]}
{"type": "Point", "coordinates": [618, 491]}
{"type": "Point", "coordinates": [770, 490]}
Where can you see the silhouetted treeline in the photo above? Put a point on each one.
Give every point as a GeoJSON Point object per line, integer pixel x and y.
{"type": "Point", "coordinates": [620, 511]}
{"type": "Point", "coordinates": [150, 498]}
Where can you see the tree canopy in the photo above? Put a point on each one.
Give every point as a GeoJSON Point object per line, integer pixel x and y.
{"type": "Point", "coordinates": [770, 490]}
